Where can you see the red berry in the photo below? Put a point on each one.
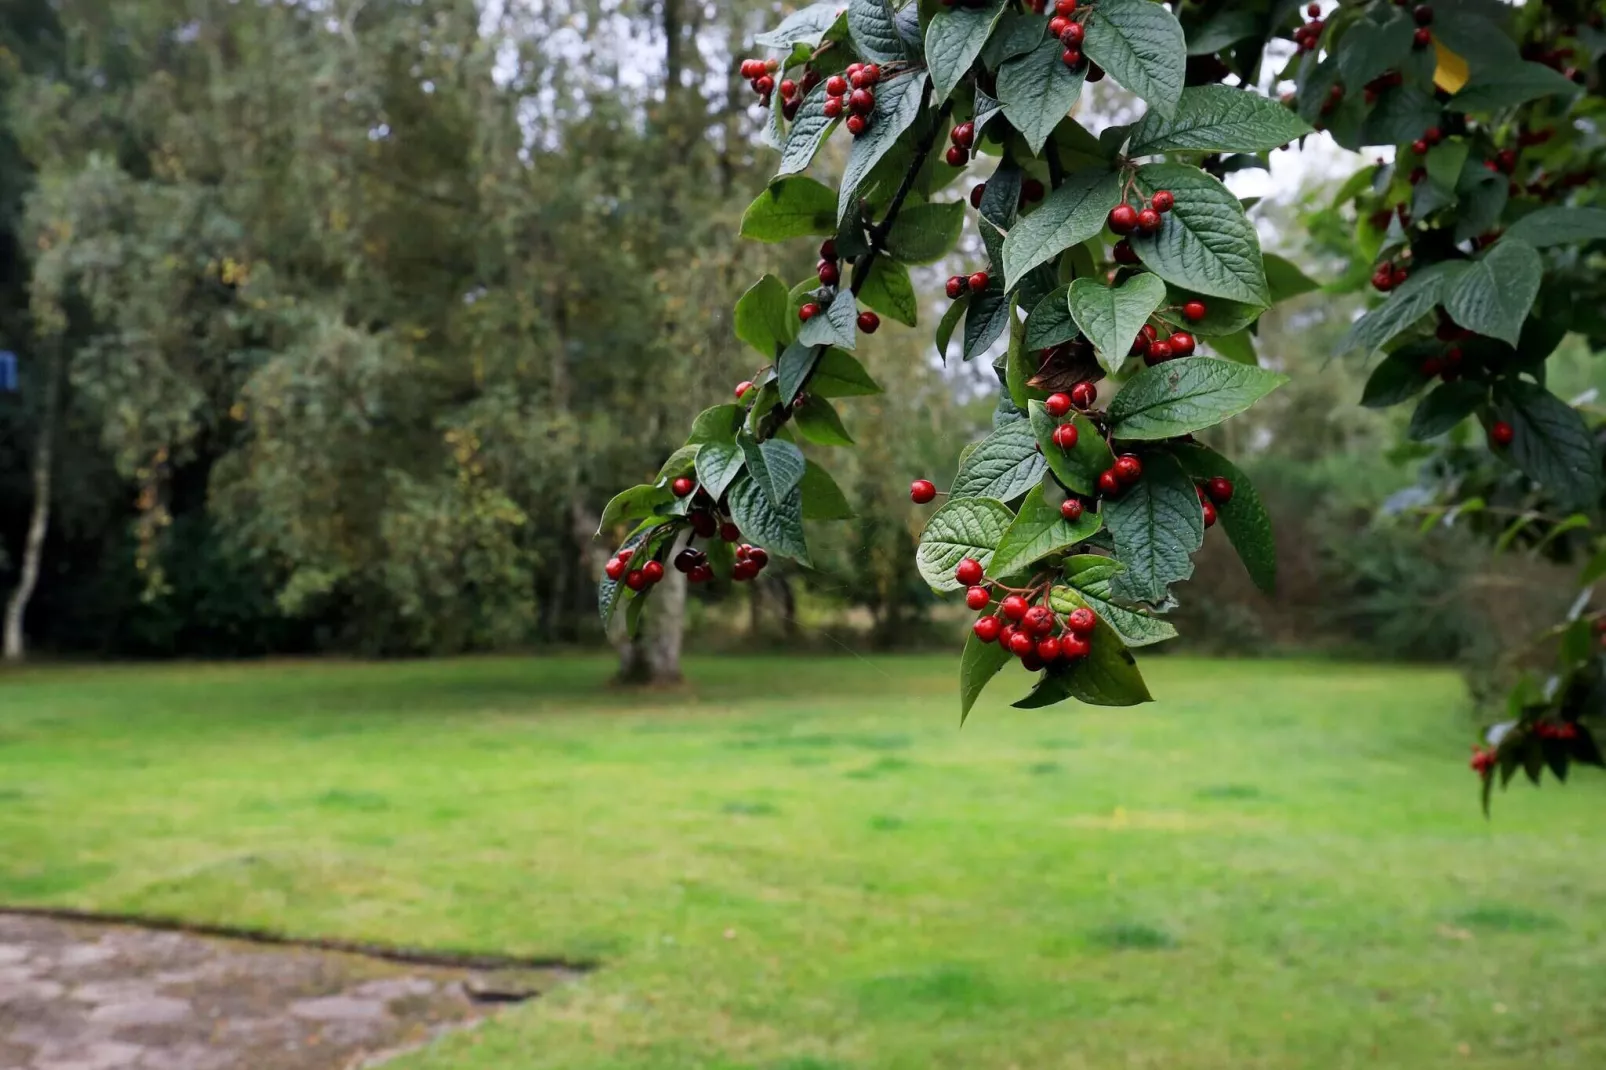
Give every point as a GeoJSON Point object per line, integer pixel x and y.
{"type": "Point", "coordinates": [704, 524]}
{"type": "Point", "coordinates": [1124, 253]}
{"type": "Point", "coordinates": [1057, 405]}
{"type": "Point", "coordinates": [969, 572]}
{"type": "Point", "coordinates": [730, 532]}
{"type": "Point", "coordinates": [1039, 620]}
{"type": "Point", "coordinates": [922, 491]}
{"type": "Point", "coordinates": [871, 73]}
{"type": "Point", "coordinates": [1013, 607]}
{"type": "Point", "coordinates": [1048, 649]}
{"type": "Point", "coordinates": [1071, 509]}
{"type": "Point", "coordinates": [828, 250]}
{"type": "Point", "coordinates": [956, 156]}
{"type": "Point", "coordinates": [1123, 218]}
{"type": "Point", "coordinates": [1065, 436]}
{"type": "Point", "coordinates": [1220, 489]}
{"type": "Point", "coordinates": [977, 598]}
{"type": "Point", "coordinates": [1423, 14]}
{"type": "Point", "coordinates": [1071, 36]}
{"type": "Point", "coordinates": [653, 570]}
{"type": "Point", "coordinates": [616, 567]}
{"type": "Point", "coordinates": [1109, 483]}
{"type": "Point", "coordinates": [868, 322]}
{"type": "Point", "coordinates": [745, 385]}
{"type": "Point", "coordinates": [977, 191]}
{"type": "Point", "coordinates": [857, 125]}
{"type": "Point", "coordinates": [1128, 469]}
{"type": "Point", "coordinates": [1433, 135]}
{"type": "Point", "coordinates": [788, 87]}
{"type": "Point", "coordinates": [1194, 311]}
{"type": "Point", "coordinates": [1422, 38]}
{"type": "Point", "coordinates": [1420, 146]}
{"type": "Point", "coordinates": [764, 85]}
{"type": "Point", "coordinates": [700, 574]}
{"type": "Point", "coordinates": [1074, 647]}
{"type": "Point", "coordinates": [836, 86]}
{"type": "Point", "coordinates": [956, 287]}
{"type": "Point", "coordinates": [1501, 434]}
{"type": "Point", "coordinates": [790, 105]}
{"type": "Point", "coordinates": [1148, 221]}
{"type": "Point", "coordinates": [1005, 634]}
{"type": "Point", "coordinates": [861, 102]}
{"type": "Point", "coordinates": [687, 560]}
{"type": "Point", "coordinates": [743, 571]}
{"type": "Point", "coordinates": [635, 579]}
{"type": "Point", "coordinates": [1313, 9]}
{"type": "Point", "coordinates": [987, 628]}
{"type": "Point", "coordinates": [759, 556]}
{"type": "Point", "coordinates": [1157, 352]}
{"type": "Point", "coordinates": [977, 282]}
{"type": "Point", "coordinates": [828, 272]}
{"type": "Point", "coordinates": [683, 486]}
{"type": "Point", "coordinates": [1021, 644]}
{"type": "Point", "coordinates": [808, 311]}
{"type": "Point", "coordinates": [1084, 395]}
{"type": "Point", "coordinates": [1162, 201]}
{"type": "Point", "coordinates": [772, 65]}
{"type": "Point", "coordinates": [832, 108]}
{"type": "Point", "coordinates": [1081, 621]}
{"type": "Point", "coordinates": [1065, 7]}
{"type": "Point", "coordinates": [751, 68]}
{"type": "Point", "coordinates": [963, 135]}
{"type": "Point", "coordinates": [1182, 344]}
{"type": "Point", "coordinates": [1056, 26]}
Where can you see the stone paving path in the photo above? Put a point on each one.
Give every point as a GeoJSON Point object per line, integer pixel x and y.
{"type": "Point", "coordinates": [78, 996]}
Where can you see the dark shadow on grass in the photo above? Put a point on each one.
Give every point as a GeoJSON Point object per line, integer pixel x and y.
{"type": "Point", "coordinates": [1131, 936]}
{"type": "Point", "coordinates": [1496, 917]}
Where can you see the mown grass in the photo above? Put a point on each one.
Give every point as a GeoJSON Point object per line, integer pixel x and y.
{"type": "Point", "coordinates": [1278, 865]}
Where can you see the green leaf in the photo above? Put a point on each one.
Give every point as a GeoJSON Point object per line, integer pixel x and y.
{"type": "Point", "coordinates": [1368, 49]}
{"type": "Point", "coordinates": [1037, 90]}
{"type": "Point", "coordinates": [1020, 365]}
{"type": "Point", "coordinates": [1244, 517]}
{"type": "Point", "coordinates": [1444, 407]}
{"type": "Point", "coordinates": [1182, 396]}
{"type": "Point", "coordinates": [986, 316]}
{"type": "Point", "coordinates": [1050, 323]}
{"type": "Point", "coordinates": [1491, 88]}
{"type": "Point", "coordinates": [1037, 531]}
{"type": "Point", "coordinates": [807, 133]}
{"type": "Point", "coordinates": [925, 233]}
{"type": "Point", "coordinates": [978, 664]}
{"type": "Point", "coordinates": [1222, 317]}
{"type": "Point", "coordinates": [680, 463]}
{"type": "Point", "coordinates": [1284, 279]}
{"type": "Point", "coordinates": [840, 375]}
{"type": "Point", "coordinates": [1552, 444]}
{"type": "Point", "coordinates": [889, 291]}
{"type": "Point", "coordinates": [1108, 676]}
{"type": "Point", "coordinates": [1559, 226]}
{"type": "Point", "coordinates": [950, 320]}
{"type": "Point", "coordinates": [1445, 162]}
{"type": "Point", "coordinates": [634, 503]}
{"type": "Point", "coordinates": [1397, 377]}
{"type": "Point", "coordinates": [775, 465]}
{"type": "Point", "coordinates": [822, 498]}
{"type": "Point", "coordinates": [718, 465]}
{"type": "Point", "coordinates": [897, 102]}
{"type": "Point", "coordinates": [777, 528]}
{"type": "Point", "coordinates": [793, 367]}
{"type": "Point", "coordinates": [1112, 317]}
{"type": "Point", "coordinates": [1205, 243]}
{"type": "Point", "coordinates": [1135, 627]}
{"type": "Point", "coordinates": [1141, 45]}
{"type": "Point", "coordinates": [875, 35]}
{"type": "Point", "coordinates": [1157, 524]}
{"type": "Point", "coordinates": [1400, 115]}
{"type": "Point", "coordinates": [1018, 32]}
{"type": "Point", "coordinates": [1073, 213]}
{"type": "Point", "coordinates": [1226, 28]}
{"type": "Point", "coordinates": [1004, 465]}
{"type": "Point", "coordinates": [954, 38]}
{"type": "Point", "coordinates": [1415, 298]}
{"type": "Point", "coordinates": [610, 591]}
{"type": "Point", "coordinates": [791, 207]}
{"type": "Point", "coordinates": [717, 424]}
{"type": "Point", "coordinates": [804, 26]}
{"type": "Point", "coordinates": [836, 325]}
{"type": "Point", "coordinates": [1218, 118]}
{"type": "Point", "coordinates": [963, 527]}
{"type": "Point", "coordinates": [819, 422]}
{"type": "Point", "coordinates": [1238, 347]}
{"type": "Point", "coordinates": [1494, 292]}
{"type": "Point", "coordinates": [762, 319]}
{"type": "Point", "coordinates": [1079, 467]}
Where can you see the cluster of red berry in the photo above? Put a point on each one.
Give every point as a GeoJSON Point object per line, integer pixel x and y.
{"type": "Point", "coordinates": [1559, 730]}
{"type": "Point", "coordinates": [1034, 633]}
{"type": "Point", "coordinates": [959, 285]}
{"type": "Point", "coordinates": [1156, 350]}
{"type": "Point", "coordinates": [1124, 219]}
{"type": "Point", "coordinates": [1031, 191]}
{"type": "Point", "coordinates": [760, 74]}
{"type": "Point", "coordinates": [1430, 137]}
{"type": "Point", "coordinates": [1556, 58]}
{"type": "Point", "coordinates": [636, 579]}
{"type": "Point", "coordinates": [1308, 34]}
{"type": "Point", "coordinates": [963, 137]}
{"type": "Point", "coordinates": [1386, 80]}
{"type": "Point", "coordinates": [1213, 492]}
{"type": "Point", "coordinates": [1126, 471]}
{"type": "Point", "coordinates": [829, 271]}
{"type": "Point", "coordinates": [1068, 31]}
{"type": "Point", "coordinates": [1388, 275]}
{"type": "Point", "coordinates": [1423, 15]}
{"type": "Point", "coordinates": [1483, 760]}
{"type": "Point", "coordinates": [851, 90]}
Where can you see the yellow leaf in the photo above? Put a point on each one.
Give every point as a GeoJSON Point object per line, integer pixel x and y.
{"type": "Point", "coordinates": [1451, 73]}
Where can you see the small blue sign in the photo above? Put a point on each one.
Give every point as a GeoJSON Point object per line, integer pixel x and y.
{"type": "Point", "coordinates": [8, 371]}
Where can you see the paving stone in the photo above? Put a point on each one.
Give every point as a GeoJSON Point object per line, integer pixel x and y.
{"type": "Point", "coordinates": [157, 1010]}
{"type": "Point", "coordinates": [339, 1009]}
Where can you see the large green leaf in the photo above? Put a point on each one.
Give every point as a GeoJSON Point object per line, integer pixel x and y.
{"type": "Point", "coordinates": [718, 465]}
{"type": "Point", "coordinates": [1111, 317]}
{"type": "Point", "coordinates": [775, 465]}
{"type": "Point", "coordinates": [1398, 377]}
{"type": "Point", "coordinates": [1157, 524]}
{"type": "Point", "coordinates": [1218, 118]}
{"type": "Point", "coordinates": [1141, 45]}
{"type": "Point", "coordinates": [874, 31]}
{"type": "Point", "coordinates": [634, 503]}
{"type": "Point", "coordinates": [822, 498]}
{"type": "Point", "coordinates": [1493, 293]}
{"type": "Point", "coordinates": [986, 316]}
{"type": "Point", "coordinates": [978, 664]}
{"type": "Point", "coordinates": [1073, 213]}
{"type": "Point", "coordinates": [1559, 226]}
{"type": "Point", "coordinates": [762, 316]}
{"type": "Point", "coordinates": [716, 424]}
{"type": "Point", "coordinates": [950, 321]}
{"type": "Point", "coordinates": [1226, 28]}
{"type": "Point", "coordinates": [803, 26]}
{"type": "Point", "coordinates": [963, 527]}
{"type": "Point", "coordinates": [1037, 531]}
{"type": "Point", "coordinates": [1077, 468]}
{"type": "Point", "coordinates": [840, 375]}
{"type": "Point", "coordinates": [791, 207]}
{"type": "Point", "coordinates": [796, 362]}
{"type": "Point", "coordinates": [954, 38]}
{"type": "Point", "coordinates": [835, 325]}
{"type": "Point", "coordinates": [897, 102]}
{"type": "Point", "coordinates": [889, 291]}
{"type": "Point", "coordinates": [1135, 627]}
{"type": "Point", "coordinates": [1368, 49]}
{"type": "Point", "coordinates": [1413, 300]}
{"type": "Point", "coordinates": [807, 133]}
{"type": "Point", "coordinates": [1037, 90]}
{"type": "Point", "coordinates": [1108, 676]}
{"type": "Point", "coordinates": [1205, 243]}
{"type": "Point", "coordinates": [1284, 279]}
{"type": "Point", "coordinates": [925, 233]}
{"type": "Point", "coordinates": [1244, 517]}
{"type": "Point", "coordinates": [1049, 323]}
{"type": "Point", "coordinates": [1004, 465]}
{"type": "Point", "coordinates": [1445, 406]}
{"type": "Point", "coordinates": [1183, 396]}
{"type": "Point", "coordinates": [1493, 87]}
{"type": "Point", "coordinates": [777, 528]}
{"type": "Point", "coordinates": [1551, 444]}
{"type": "Point", "coordinates": [818, 421]}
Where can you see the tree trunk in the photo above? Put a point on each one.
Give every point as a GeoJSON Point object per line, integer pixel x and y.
{"type": "Point", "coordinates": [653, 657]}
{"type": "Point", "coordinates": [39, 523]}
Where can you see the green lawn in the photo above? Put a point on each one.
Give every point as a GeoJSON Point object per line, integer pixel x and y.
{"type": "Point", "coordinates": [1277, 865]}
